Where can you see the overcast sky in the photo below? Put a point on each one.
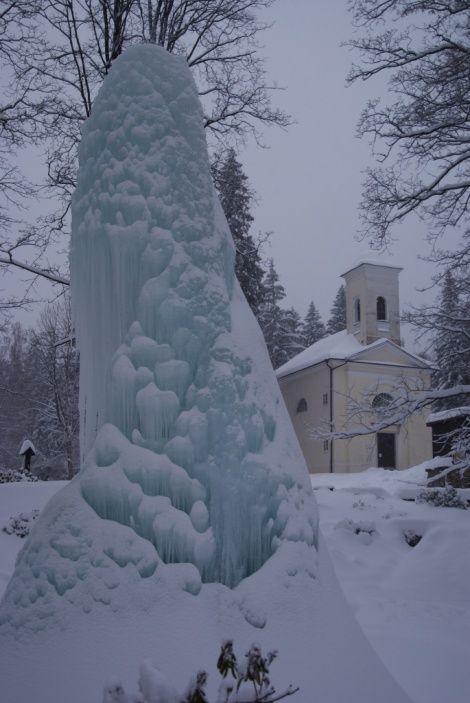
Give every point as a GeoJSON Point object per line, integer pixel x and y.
{"type": "Point", "coordinates": [309, 180]}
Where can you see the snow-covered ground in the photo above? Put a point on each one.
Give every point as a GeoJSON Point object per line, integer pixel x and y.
{"type": "Point", "coordinates": [16, 498]}
{"type": "Point", "coordinates": [413, 603]}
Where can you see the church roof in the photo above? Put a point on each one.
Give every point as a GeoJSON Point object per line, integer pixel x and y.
{"type": "Point", "coordinates": [449, 414]}
{"type": "Point", "coordinates": [340, 346]}
{"type": "Point", "coordinates": [371, 262]}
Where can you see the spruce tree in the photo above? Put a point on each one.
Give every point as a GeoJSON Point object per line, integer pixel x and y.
{"type": "Point", "coordinates": [272, 318]}
{"type": "Point", "coordinates": [294, 341]}
{"type": "Point", "coordinates": [236, 199]}
{"type": "Point", "coordinates": [451, 342]}
{"type": "Point", "coordinates": [337, 321]}
{"type": "Point", "coordinates": [313, 328]}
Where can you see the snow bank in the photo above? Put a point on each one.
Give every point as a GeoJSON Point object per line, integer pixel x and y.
{"type": "Point", "coordinates": [413, 602]}
{"type": "Point", "coordinates": [193, 518]}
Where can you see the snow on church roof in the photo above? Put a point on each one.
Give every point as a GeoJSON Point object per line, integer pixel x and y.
{"type": "Point", "coordinates": [370, 262]}
{"type": "Point", "coordinates": [336, 346]}
{"type": "Point", "coordinates": [449, 414]}
{"type": "Point", "coordinates": [341, 346]}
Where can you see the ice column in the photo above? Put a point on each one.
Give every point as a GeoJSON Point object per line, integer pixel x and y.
{"type": "Point", "coordinates": [186, 443]}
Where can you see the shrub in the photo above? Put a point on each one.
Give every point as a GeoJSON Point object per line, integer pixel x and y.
{"type": "Point", "coordinates": [248, 681]}
{"type": "Point", "coordinates": [446, 497]}
{"type": "Point", "coordinates": [412, 538]}
{"type": "Point", "coordinates": [20, 525]}
{"type": "Point", "coordinates": [14, 476]}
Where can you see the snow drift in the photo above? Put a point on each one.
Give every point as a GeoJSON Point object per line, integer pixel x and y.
{"type": "Point", "coordinates": [193, 517]}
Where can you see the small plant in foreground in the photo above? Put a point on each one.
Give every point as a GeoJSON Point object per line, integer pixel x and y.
{"type": "Point", "coordinates": [244, 682]}
{"type": "Point", "coordinates": [446, 497]}
{"type": "Point", "coordinates": [20, 525]}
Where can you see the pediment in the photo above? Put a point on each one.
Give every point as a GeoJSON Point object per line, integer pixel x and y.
{"type": "Point", "coordinates": [386, 352]}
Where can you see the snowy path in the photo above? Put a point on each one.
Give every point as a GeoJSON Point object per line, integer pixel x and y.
{"type": "Point", "coordinates": [412, 603]}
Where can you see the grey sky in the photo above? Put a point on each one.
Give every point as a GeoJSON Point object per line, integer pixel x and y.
{"type": "Point", "coordinates": [309, 180]}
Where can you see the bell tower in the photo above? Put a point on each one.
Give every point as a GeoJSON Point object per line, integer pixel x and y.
{"type": "Point", "coordinates": [372, 302]}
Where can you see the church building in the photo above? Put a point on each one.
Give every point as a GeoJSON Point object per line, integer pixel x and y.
{"type": "Point", "coordinates": [361, 366]}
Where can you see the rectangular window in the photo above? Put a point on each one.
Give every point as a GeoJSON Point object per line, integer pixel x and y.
{"type": "Point", "coordinates": [326, 444]}
{"type": "Point", "coordinates": [325, 398]}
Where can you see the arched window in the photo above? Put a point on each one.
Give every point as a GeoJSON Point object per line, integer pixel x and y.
{"type": "Point", "coordinates": [357, 310]}
{"type": "Point", "coordinates": [381, 308]}
{"type": "Point", "coordinates": [301, 406]}
{"type": "Point", "coordinates": [382, 400]}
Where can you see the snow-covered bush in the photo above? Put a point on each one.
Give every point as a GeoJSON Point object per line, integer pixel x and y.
{"type": "Point", "coordinates": [364, 529]}
{"type": "Point", "coordinates": [368, 527]}
{"type": "Point", "coordinates": [20, 525]}
{"type": "Point", "coordinates": [447, 497]}
{"type": "Point", "coordinates": [246, 681]}
{"type": "Point", "coordinates": [412, 538]}
{"type": "Point", "coordinates": [114, 692]}
{"type": "Point", "coordinates": [14, 475]}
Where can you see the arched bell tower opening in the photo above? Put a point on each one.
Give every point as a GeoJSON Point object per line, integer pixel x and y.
{"type": "Point", "coordinates": [372, 302]}
{"type": "Point", "coordinates": [381, 309]}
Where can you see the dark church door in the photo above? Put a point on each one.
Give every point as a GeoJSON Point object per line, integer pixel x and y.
{"type": "Point", "coordinates": [386, 450]}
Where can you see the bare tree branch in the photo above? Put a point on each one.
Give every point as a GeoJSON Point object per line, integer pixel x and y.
{"type": "Point", "coordinates": [421, 134]}
{"type": "Point", "coordinates": [55, 54]}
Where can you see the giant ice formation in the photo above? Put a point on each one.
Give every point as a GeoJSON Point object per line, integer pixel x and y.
{"type": "Point", "coordinates": [192, 516]}
{"type": "Point", "coordinates": [186, 444]}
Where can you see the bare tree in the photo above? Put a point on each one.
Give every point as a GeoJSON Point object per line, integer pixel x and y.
{"type": "Point", "coordinates": [21, 126]}
{"type": "Point", "coordinates": [421, 131]}
{"type": "Point", "coordinates": [57, 52]}
{"type": "Point", "coordinates": [57, 364]}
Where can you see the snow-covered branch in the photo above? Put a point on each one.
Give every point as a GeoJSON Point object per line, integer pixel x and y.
{"type": "Point", "coordinates": [420, 132]}
{"type": "Point", "coordinates": [6, 257]}
{"type": "Point", "coordinates": [405, 398]}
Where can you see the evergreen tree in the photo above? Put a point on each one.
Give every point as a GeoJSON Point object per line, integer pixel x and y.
{"type": "Point", "coordinates": [294, 341]}
{"type": "Point", "coordinates": [272, 319]}
{"type": "Point", "coordinates": [337, 321]}
{"type": "Point", "coordinates": [236, 199]}
{"type": "Point", "coordinates": [451, 341]}
{"type": "Point", "coordinates": [313, 328]}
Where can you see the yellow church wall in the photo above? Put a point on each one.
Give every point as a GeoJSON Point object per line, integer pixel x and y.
{"type": "Point", "coordinates": [352, 380]}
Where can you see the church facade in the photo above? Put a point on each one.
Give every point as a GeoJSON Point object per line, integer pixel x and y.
{"type": "Point", "coordinates": [340, 381]}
